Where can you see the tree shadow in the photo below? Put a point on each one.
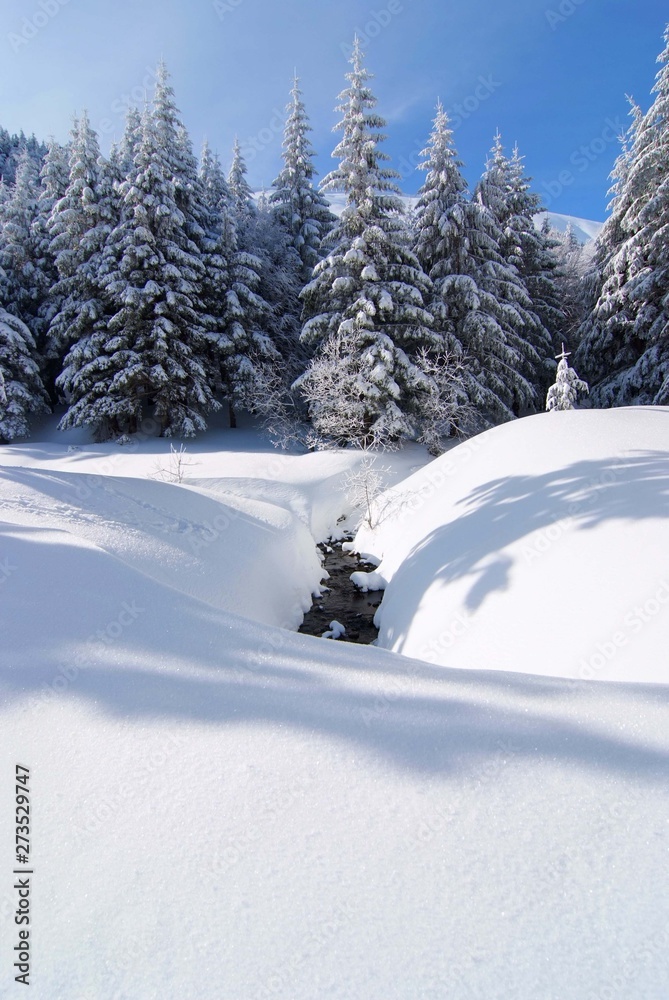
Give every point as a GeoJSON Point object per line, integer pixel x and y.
{"type": "Point", "coordinates": [63, 636]}
{"type": "Point", "coordinates": [504, 511]}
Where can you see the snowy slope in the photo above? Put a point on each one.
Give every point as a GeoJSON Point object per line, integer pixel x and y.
{"type": "Point", "coordinates": [225, 810]}
{"type": "Point", "coordinates": [540, 546]}
{"type": "Point", "coordinates": [584, 229]}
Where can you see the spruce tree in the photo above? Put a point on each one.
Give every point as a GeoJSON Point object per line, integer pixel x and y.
{"type": "Point", "coordinates": [21, 389]}
{"type": "Point", "coordinates": [241, 195]}
{"type": "Point", "coordinates": [54, 179]}
{"type": "Point", "coordinates": [79, 226]}
{"type": "Point", "coordinates": [367, 299]}
{"type": "Point", "coordinates": [440, 227]}
{"type": "Point", "coordinates": [515, 364]}
{"type": "Point", "coordinates": [572, 278]}
{"type": "Point", "coordinates": [280, 283]}
{"type": "Point", "coordinates": [235, 312]}
{"type": "Point", "coordinates": [624, 351]}
{"type": "Point", "coordinates": [23, 286]}
{"type": "Point", "coordinates": [150, 355]}
{"type": "Point", "coordinates": [446, 233]}
{"type": "Point", "coordinates": [132, 134]}
{"type": "Point", "coordinates": [297, 204]}
{"type": "Point", "coordinates": [538, 265]}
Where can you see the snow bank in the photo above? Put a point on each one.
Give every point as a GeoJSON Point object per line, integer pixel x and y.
{"type": "Point", "coordinates": [227, 554]}
{"type": "Point", "coordinates": [540, 546]}
{"type": "Point", "coordinates": [226, 809]}
{"type": "Point", "coordinates": [240, 462]}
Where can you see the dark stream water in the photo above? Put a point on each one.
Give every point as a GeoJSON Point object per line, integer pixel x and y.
{"type": "Point", "coordinates": [343, 602]}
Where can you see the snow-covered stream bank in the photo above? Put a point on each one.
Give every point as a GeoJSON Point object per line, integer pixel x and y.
{"type": "Point", "coordinates": [225, 808]}
{"type": "Point", "coordinates": [341, 601]}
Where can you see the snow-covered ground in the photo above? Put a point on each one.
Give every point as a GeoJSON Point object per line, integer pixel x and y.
{"type": "Point", "coordinates": [541, 546]}
{"type": "Point", "coordinates": [225, 809]}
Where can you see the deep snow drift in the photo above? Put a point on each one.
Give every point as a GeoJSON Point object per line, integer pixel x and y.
{"type": "Point", "coordinates": [541, 546]}
{"type": "Point", "coordinates": [226, 810]}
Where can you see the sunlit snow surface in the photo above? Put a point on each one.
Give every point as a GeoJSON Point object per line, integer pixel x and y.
{"type": "Point", "coordinates": [541, 546]}
{"type": "Point", "coordinates": [226, 810]}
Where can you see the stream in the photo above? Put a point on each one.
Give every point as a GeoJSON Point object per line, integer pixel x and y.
{"type": "Point", "coordinates": [342, 601]}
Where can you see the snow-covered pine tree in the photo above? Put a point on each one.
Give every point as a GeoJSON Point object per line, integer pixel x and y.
{"type": "Point", "coordinates": [79, 226]}
{"type": "Point", "coordinates": [605, 326]}
{"type": "Point", "coordinates": [235, 313]}
{"type": "Point", "coordinates": [11, 148]}
{"type": "Point", "coordinates": [538, 268]}
{"type": "Point", "coordinates": [514, 363]}
{"type": "Point", "coordinates": [21, 388]}
{"type": "Point", "coordinates": [571, 278]}
{"type": "Point", "coordinates": [280, 284]}
{"type": "Point", "coordinates": [150, 355]}
{"type": "Point", "coordinates": [447, 229]}
{"type": "Point", "coordinates": [563, 394]}
{"type": "Point", "coordinates": [132, 134]}
{"type": "Point", "coordinates": [241, 195]}
{"type": "Point", "coordinates": [23, 288]}
{"type": "Point", "coordinates": [440, 224]}
{"type": "Point", "coordinates": [54, 178]}
{"type": "Point", "coordinates": [625, 347]}
{"type": "Point", "coordinates": [297, 204]}
{"type": "Point", "coordinates": [367, 299]}
{"type": "Point", "coordinates": [215, 191]}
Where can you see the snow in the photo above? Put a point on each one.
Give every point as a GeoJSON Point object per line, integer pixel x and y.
{"type": "Point", "coordinates": [336, 631]}
{"type": "Point", "coordinates": [226, 809]}
{"type": "Point", "coordinates": [585, 230]}
{"type": "Point", "coordinates": [538, 547]}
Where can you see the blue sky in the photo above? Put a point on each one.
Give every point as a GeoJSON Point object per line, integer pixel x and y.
{"type": "Point", "coordinates": [550, 74]}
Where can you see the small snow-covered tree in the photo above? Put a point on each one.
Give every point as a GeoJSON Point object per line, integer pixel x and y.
{"type": "Point", "coordinates": [367, 301]}
{"type": "Point", "coordinates": [366, 489]}
{"type": "Point", "coordinates": [296, 203]}
{"type": "Point", "coordinates": [562, 395]}
{"type": "Point", "coordinates": [335, 391]}
{"type": "Point", "coordinates": [445, 407]}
